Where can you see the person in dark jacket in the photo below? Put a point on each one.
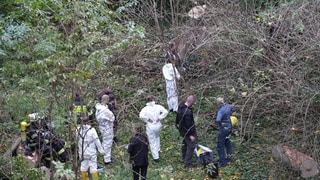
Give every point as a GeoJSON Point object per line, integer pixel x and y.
{"type": "Point", "coordinates": [187, 129]}
{"type": "Point", "coordinates": [37, 142]}
{"type": "Point", "coordinates": [138, 150]}
{"type": "Point", "coordinates": [41, 139]}
{"type": "Point", "coordinates": [79, 108]}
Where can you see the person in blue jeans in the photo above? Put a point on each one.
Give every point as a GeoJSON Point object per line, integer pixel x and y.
{"type": "Point", "coordinates": [224, 146]}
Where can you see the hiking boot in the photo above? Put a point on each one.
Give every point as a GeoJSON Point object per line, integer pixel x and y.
{"type": "Point", "coordinates": [229, 158]}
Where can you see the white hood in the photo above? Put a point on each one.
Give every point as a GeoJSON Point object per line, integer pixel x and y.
{"type": "Point", "coordinates": [153, 112]}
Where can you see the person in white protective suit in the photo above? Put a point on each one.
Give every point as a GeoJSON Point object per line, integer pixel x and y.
{"type": "Point", "coordinates": [170, 74]}
{"type": "Point", "coordinates": [88, 143]}
{"type": "Point", "coordinates": [105, 119]}
{"type": "Point", "coordinates": [152, 114]}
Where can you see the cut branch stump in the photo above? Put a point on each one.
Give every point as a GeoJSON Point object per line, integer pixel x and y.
{"type": "Point", "coordinates": [297, 161]}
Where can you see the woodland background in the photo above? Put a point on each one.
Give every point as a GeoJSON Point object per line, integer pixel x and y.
{"type": "Point", "coordinates": [261, 55]}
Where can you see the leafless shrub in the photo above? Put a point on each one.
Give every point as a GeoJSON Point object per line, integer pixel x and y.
{"type": "Point", "coordinates": [264, 61]}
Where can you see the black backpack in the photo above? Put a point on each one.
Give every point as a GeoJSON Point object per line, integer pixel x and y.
{"type": "Point", "coordinates": [210, 166]}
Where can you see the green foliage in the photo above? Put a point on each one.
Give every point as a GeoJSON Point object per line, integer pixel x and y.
{"type": "Point", "coordinates": [61, 172]}
{"type": "Point", "coordinates": [12, 34]}
{"type": "Point", "coordinates": [317, 99]}
{"type": "Point", "coordinates": [248, 166]}
{"type": "Point", "coordinates": [67, 47]}
{"type": "Point", "coordinates": [17, 168]}
{"type": "Point", "coordinates": [52, 49]}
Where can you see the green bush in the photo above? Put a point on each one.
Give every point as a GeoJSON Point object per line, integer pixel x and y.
{"type": "Point", "coordinates": [16, 168]}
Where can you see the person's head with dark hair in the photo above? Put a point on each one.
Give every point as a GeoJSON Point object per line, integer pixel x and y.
{"type": "Point", "coordinates": [150, 98]}
{"type": "Point", "coordinates": [77, 97]}
{"type": "Point", "coordinates": [84, 118]}
{"type": "Point", "coordinates": [107, 90]}
{"type": "Point", "coordinates": [137, 129]}
{"type": "Point", "coordinates": [172, 46]}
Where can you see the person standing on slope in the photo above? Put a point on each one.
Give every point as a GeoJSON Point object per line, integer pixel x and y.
{"type": "Point", "coordinates": [187, 129]}
{"type": "Point", "coordinates": [170, 74]}
{"type": "Point", "coordinates": [105, 119]}
{"type": "Point", "coordinates": [88, 143]}
{"type": "Point", "coordinates": [152, 114]}
{"type": "Point", "coordinates": [112, 106]}
{"type": "Point", "coordinates": [174, 53]}
{"type": "Point", "coordinates": [224, 147]}
{"type": "Point", "coordinates": [138, 150]}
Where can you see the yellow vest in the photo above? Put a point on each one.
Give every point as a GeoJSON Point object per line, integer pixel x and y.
{"type": "Point", "coordinates": [77, 109]}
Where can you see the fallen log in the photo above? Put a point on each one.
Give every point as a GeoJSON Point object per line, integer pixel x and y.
{"type": "Point", "coordinates": [298, 161]}
{"type": "Point", "coordinates": [12, 148]}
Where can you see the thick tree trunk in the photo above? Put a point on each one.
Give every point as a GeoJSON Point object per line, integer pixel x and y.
{"type": "Point", "coordinates": [298, 161]}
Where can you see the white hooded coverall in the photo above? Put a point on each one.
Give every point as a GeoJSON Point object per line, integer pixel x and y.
{"type": "Point", "coordinates": [105, 119]}
{"type": "Point", "coordinates": [88, 142]}
{"type": "Point", "coordinates": [154, 113]}
{"type": "Point", "coordinates": [170, 76]}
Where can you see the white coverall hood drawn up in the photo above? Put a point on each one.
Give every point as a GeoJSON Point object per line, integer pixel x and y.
{"type": "Point", "coordinates": [152, 114]}
{"type": "Point", "coordinates": [170, 74]}
{"type": "Point", "coordinates": [105, 119]}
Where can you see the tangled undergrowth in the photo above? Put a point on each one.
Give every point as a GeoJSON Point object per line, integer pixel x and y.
{"type": "Point", "coordinates": [264, 60]}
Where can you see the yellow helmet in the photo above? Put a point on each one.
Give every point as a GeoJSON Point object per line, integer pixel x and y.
{"type": "Point", "coordinates": [234, 121]}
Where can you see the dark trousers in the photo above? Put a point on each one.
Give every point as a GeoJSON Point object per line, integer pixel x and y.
{"type": "Point", "coordinates": [139, 171]}
{"type": "Point", "coordinates": [115, 125]}
{"type": "Point", "coordinates": [58, 146]}
{"type": "Point", "coordinates": [43, 152]}
{"type": "Point", "coordinates": [224, 146]}
{"type": "Point", "coordinates": [187, 150]}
